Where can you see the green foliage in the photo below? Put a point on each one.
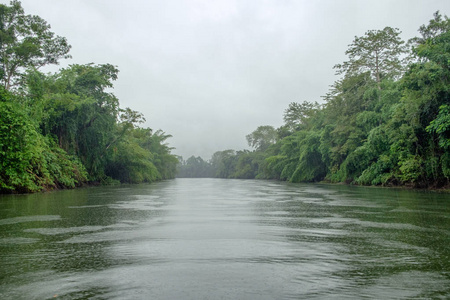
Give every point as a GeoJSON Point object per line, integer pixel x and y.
{"type": "Point", "coordinates": [287, 160]}
{"type": "Point", "coordinates": [64, 129]}
{"type": "Point", "coordinates": [383, 123]}
{"type": "Point", "coordinates": [31, 162]}
{"type": "Point", "coordinates": [273, 167]}
{"type": "Point", "coordinates": [82, 114]}
{"type": "Point", "coordinates": [445, 163]}
{"type": "Point", "coordinates": [379, 172]}
{"type": "Point", "coordinates": [441, 127]}
{"type": "Point", "coordinates": [165, 162]}
{"type": "Point", "coordinates": [377, 52]}
{"type": "Point", "coordinates": [224, 163]}
{"type": "Point", "coordinates": [249, 164]}
{"type": "Point", "coordinates": [26, 42]}
{"type": "Point", "coordinates": [411, 169]}
{"type": "Point", "coordinates": [298, 114]}
{"type": "Point", "coordinates": [137, 154]}
{"type": "Point", "coordinates": [262, 137]}
{"type": "Point", "coordinates": [20, 151]}
{"type": "Point", "coordinates": [130, 163]}
{"type": "Point", "coordinates": [310, 166]}
{"type": "Point", "coordinates": [195, 167]}
{"type": "Point", "coordinates": [435, 27]}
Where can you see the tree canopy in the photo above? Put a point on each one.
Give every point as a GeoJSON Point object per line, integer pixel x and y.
{"type": "Point", "coordinates": [66, 129]}
{"type": "Point", "coordinates": [262, 137]}
{"type": "Point", "coordinates": [385, 121]}
{"type": "Point", "coordinates": [377, 52]}
{"type": "Point", "coordinates": [26, 42]}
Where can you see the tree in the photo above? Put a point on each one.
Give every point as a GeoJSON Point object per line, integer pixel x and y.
{"type": "Point", "coordinates": [129, 119]}
{"type": "Point", "coordinates": [435, 27]}
{"type": "Point", "coordinates": [298, 113]}
{"type": "Point", "coordinates": [30, 162]}
{"type": "Point", "coordinates": [83, 115]}
{"type": "Point", "coordinates": [224, 163]}
{"type": "Point", "coordinates": [195, 167]}
{"type": "Point", "coordinates": [127, 161]}
{"type": "Point", "coordinates": [377, 52]}
{"type": "Point", "coordinates": [26, 42]}
{"type": "Point", "coordinates": [63, 129]}
{"type": "Point", "coordinates": [262, 137]}
{"type": "Point", "coordinates": [165, 162]}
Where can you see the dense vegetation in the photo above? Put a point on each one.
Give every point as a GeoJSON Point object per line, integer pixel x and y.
{"type": "Point", "coordinates": [386, 121]}
{"type": "Point", "coordinates": [65, 129]}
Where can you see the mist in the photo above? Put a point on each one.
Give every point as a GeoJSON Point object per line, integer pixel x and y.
{"type": "Point", "coordinates": [209, 73]}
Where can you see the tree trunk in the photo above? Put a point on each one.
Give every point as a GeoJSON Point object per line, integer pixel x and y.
{"type": "Point", "coordinates": [377, 70]}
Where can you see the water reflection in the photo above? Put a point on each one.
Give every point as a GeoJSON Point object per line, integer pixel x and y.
{"type": "Point", "coordinates": [227, 239]}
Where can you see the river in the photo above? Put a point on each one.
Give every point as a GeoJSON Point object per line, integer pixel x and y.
{"type": "Point", "coordinates": [225, 239]}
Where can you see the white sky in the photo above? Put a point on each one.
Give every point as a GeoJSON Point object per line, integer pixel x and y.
{"type": "Point", "coordinates": [211, 72]}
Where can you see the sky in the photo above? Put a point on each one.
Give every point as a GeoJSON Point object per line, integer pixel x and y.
{"type": "Point", "coordinates": [210, 72]}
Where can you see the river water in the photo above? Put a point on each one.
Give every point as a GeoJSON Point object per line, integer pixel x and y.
{"type": "Point", "coordinates": [225, 239]}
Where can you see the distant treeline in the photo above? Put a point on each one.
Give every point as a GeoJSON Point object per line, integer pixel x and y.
{"type": "Point", "coordinates": [386, 121]}
{"type": "Point", "coordinates": [66, 129]}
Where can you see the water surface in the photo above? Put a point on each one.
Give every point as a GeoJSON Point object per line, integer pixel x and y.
{"type": "Point", "coordinates": [225, 239]}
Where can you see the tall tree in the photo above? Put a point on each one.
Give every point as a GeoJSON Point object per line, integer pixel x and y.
{"type": "Point", "coordinates": [195, 167]}
{"type": "Point", "coordinates": [438, 25]}
{"type": "Point", "coordinates": [262, 137]}
{"type": "Point", "coordinates": [26, 42]}
{"type": "Point", "coordinates": [224, 163]}
{"type": "Point", "coordinates": [82, 114]}
{"type": "Point", "coordinates": [298, 113]}
{"type": "Point", "coordinates": [378, 52]}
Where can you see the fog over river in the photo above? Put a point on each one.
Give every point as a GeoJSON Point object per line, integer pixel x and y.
{"type": "Point", "coordinates": [225, 239]}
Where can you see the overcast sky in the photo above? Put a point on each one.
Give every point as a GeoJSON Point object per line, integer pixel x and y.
{"type": "Point", "coordinates": [210, 72]}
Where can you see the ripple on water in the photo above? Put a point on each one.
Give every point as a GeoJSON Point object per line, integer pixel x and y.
{"type": "Point", "coordinates": [214, 239]}
{"type": "Point", "coordinates": [400, 286]}
{"type": "Point", "coordinates": [17, 241]}
{"type": "Point", "coordinates": [86, 206]}
{"type": "Point", "coordinates": [62, 230]}
{"type": "Point", "coordinates": [138, 205]}
{"type": "Point", "coordinates": [39, 218]}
